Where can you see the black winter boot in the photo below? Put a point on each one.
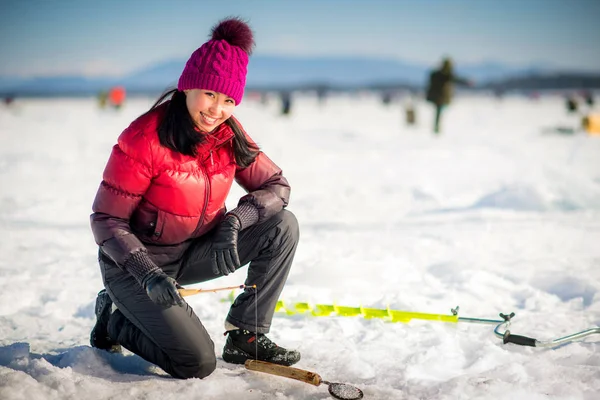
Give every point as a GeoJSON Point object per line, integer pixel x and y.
{"type": "Point", "coordinates": [242, 345]}
{"type": "Point", "coordinates": [99, 337]}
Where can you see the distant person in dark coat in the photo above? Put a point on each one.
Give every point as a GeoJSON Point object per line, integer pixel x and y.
{"type": "Point", "coordinates": [440, 88]}
{"type": "Point", "coordinates": [321, 94]}
{"type": "Point", "coordinates": [588, 97]}
{"type": "Point", "coordinates": [286, 103]}
{"type": "Point", "coordinates": [386, 97]}
{"type": "Point", "coordinates": [571, 104]}
{"type": "Point", "coordinates": [9, 99]}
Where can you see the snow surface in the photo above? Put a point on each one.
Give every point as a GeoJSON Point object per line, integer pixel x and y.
{"type": "Point", "coordinates": [497, 214]}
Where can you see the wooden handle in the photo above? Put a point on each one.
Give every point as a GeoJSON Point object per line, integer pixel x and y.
{"type": "Point", "coordinates": [189, 292]}
{"type": "Point", "coordinates": [286, 372]}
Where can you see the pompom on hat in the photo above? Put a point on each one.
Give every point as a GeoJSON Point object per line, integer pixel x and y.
{"type": "Point", "coordinates": [221, 63]}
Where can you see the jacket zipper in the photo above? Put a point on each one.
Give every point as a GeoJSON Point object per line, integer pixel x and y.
{"type": "Point", "coordinates": [206, 179]}
{"type": "Point", "coordinates": [206, 193]}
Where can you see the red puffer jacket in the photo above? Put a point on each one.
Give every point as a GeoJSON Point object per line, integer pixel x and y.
{"type": "Point", "coordinates": [156, 199]}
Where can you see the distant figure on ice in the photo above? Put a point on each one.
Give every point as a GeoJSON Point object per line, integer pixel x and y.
{"type": "Point", "coordinates": [9, 99]}
{"type": "Point", "coordinates": [322, 94]}
{"type": "Point", "coordinates": [588, 97]}
{"type": "Point", "coordinates": [160, 221]}
{"type": "Point", "coordinates": [409, 110]}
{"type": "Point", "coordinates": [571, 104]}
{"type": "Point", "coordinates": [386, 97]}
{"type": "Point", "coordinates": [102, 98]}
{"type": "Point", "coordinates": [440, 89]}
{"type": "Point", "coordinates": [286, 102]}
{"type": "Point", "coordinates": [116, 96]}
{"type": "Point", "coordinates": [499, 92]}
{"type": "Point", "coordinates": [264, 98]}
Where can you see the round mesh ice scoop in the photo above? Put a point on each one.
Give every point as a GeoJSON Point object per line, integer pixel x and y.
{"type": "Point", "coordinates": [340, 391]}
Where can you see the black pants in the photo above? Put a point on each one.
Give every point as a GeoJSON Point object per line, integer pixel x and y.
{"type": "Point", "coordinates": [174, 338]}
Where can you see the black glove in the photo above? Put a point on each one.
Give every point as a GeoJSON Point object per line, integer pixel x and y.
{"type": "Point", "coordinates": [162, 289]}
{"type": "Point", "coordinates": [224, 255]}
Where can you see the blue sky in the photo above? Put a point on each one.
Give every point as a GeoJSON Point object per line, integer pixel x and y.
{"type": "Point", "coordinates": [115, 37]}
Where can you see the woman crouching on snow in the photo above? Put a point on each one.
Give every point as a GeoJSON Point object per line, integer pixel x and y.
{"type": "Point", "coordinates": [159, 218]}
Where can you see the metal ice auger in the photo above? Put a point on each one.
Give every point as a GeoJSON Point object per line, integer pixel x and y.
{"type": "Point", "coordinates": [388, 314]}
{"type": "Point", "coordinates": [508, 337]}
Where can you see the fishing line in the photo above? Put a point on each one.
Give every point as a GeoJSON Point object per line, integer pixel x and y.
{"type": "Point", "coordinates": [256, 321]}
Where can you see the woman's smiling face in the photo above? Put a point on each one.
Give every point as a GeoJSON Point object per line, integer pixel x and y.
{"type": "Point", "coordinates": [208, 108]}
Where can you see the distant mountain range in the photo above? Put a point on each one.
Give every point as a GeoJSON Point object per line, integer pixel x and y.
{"type": "Point", "coordinates": [278, 72]}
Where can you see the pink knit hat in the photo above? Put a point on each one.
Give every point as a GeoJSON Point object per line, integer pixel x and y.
{"type": "Point", "coordinates": [221, 63]}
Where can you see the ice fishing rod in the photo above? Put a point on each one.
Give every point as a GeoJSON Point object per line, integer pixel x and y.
{"type": "Point", "coordinates": [341, 391]}
{"type": "Point", "coordinates": [190, 292]}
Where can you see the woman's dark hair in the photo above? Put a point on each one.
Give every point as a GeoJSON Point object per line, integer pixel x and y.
{"type": "Point", "coordinates": [177, 131]}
